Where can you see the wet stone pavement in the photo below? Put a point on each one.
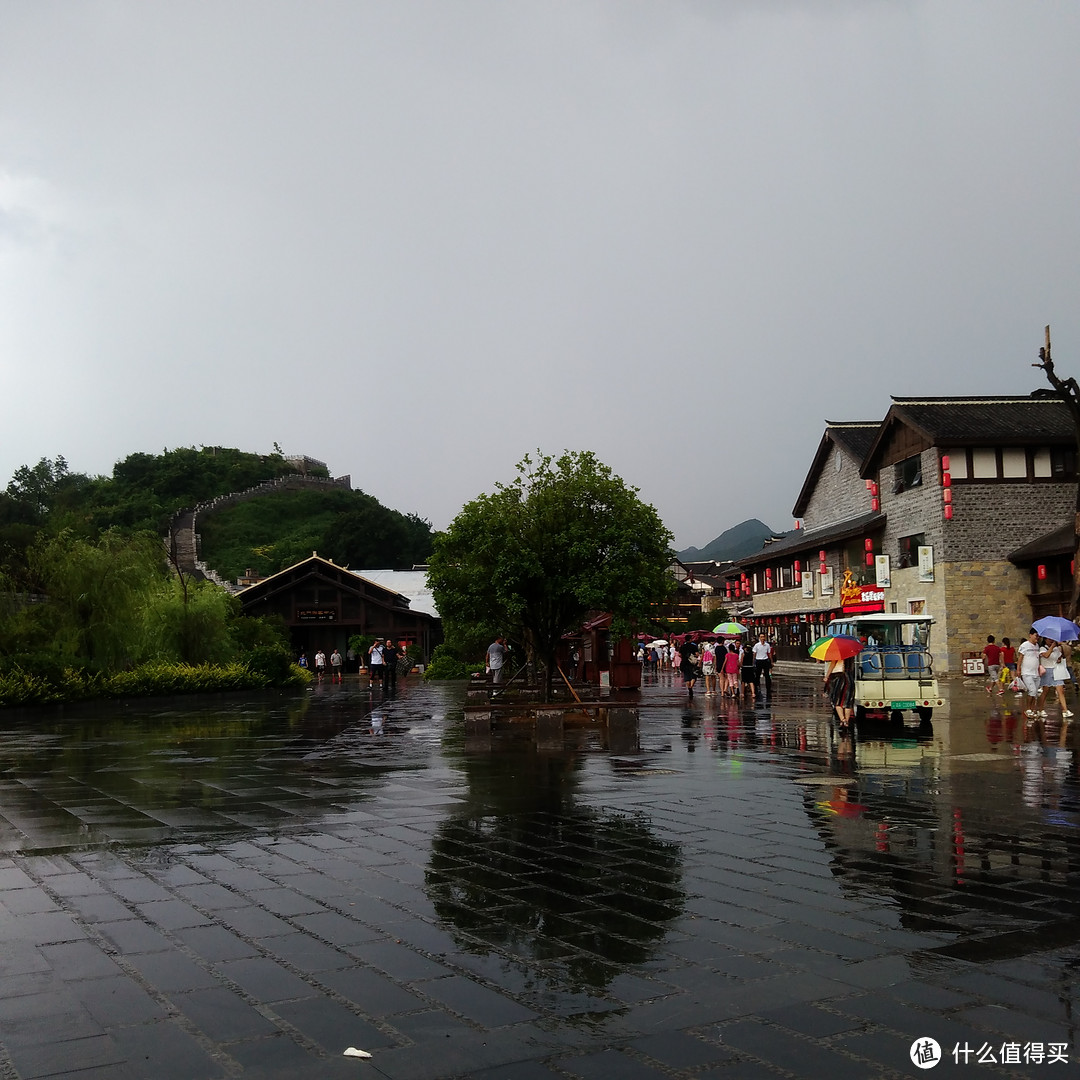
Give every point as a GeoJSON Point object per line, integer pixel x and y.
{"type": "Point", "coordinates": [247, 887]}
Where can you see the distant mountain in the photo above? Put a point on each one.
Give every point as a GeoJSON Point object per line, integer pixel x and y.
{"type": "Point", "coordinates": [740, 540]}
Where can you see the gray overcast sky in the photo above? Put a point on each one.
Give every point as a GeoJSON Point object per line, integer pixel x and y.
{"type": "Point", "coordinates": [420, 239]}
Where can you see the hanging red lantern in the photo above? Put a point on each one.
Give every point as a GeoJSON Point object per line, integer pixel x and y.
{"type": "Point", "coordinates": [945, 462]}
{"type": "Point", "coordinates": [798, 566]}
{"type": "Point", "coordinates": [1040, 572]}
{"type": "Point", "coordinates": [869, 484]}
{"type": "Point", "coordinates": [868, 544]}
{"type": "Point", "coordinates": [948, 511]}
{"type": "Point", "coordinates": [873, 489]}
{"type": "Point", "coordinates": [946, 480]}
{"type": "Point", "coordinates": [875, 504]}
{"type": "Point", "coordinates": [869, 558]}
{"type": "Point", "coordinates": [821, 556]}
{"type": "Point", "coordinates": [946, 495]}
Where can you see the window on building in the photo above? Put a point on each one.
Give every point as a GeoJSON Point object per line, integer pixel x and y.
{"type": "Point", "coordinates": [909, 549]}
{"type": "Point", "coordinates": [1042, 463]}
{"type": "Point", "coordinates": [984, 463]}
{"type": "Point", "coordinates": [1063, 462]}
{"type": "Point", "coordinates": [908, 474]}
{"type": "Point", "coordinates": [1013, 463]}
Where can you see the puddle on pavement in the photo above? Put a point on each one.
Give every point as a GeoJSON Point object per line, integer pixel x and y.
{"type": "Point", "coordinates": [575, 857]}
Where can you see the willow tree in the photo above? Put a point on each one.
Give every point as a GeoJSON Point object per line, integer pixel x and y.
{"type": "Point", "coordinates": [567, 537]}
{"type": "Point", "coordinates": [1069, 392]}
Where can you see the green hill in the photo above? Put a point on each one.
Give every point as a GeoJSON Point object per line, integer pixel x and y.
{"type": "Point", "coordinates": [265, 533]}
{"type": "Point", "coordinates": [735, 543]}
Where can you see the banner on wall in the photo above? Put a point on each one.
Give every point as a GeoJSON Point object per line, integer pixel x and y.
{"type": "Point", "coordinates": [882, 572]}
{"type": "Point", "coordinates": [926, 564]}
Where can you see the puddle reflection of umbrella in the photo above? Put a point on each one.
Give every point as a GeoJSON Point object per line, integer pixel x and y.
{"type": "Point", "coordinates": [729, 628]}
{"type": "Point", "coordinates": [835, 647]}
{"type": "Point", "coordinates": [1056, 628]}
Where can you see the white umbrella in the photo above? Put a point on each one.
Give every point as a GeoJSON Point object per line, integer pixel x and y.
{"type": "Point", "coordinates": [656, 644]}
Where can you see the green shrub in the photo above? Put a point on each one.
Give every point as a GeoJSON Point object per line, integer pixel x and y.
{"type": "Point", "coordinates": [271, 661]}
{"type": "Point", "coordinates": [444, 665]}
{"type": "Point", "coordinates": [19, 686]}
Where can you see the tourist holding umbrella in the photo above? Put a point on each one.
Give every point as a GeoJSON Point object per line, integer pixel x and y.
{"type": "Point", "coordinates": [838, 652]}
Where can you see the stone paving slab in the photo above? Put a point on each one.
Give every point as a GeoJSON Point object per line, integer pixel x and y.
{"type": "Point", "coordinates": [744, 896]}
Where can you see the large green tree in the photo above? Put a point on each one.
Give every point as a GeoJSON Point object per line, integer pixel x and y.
{"type": "Point", "coordinates": [533, 558]}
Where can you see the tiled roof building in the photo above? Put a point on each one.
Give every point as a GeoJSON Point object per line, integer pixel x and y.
{"type": "Point", "coordinates": [959, 494]}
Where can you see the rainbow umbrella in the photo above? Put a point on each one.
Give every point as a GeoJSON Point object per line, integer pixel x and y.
{"type": "Point", "coordinates": [732, 628]}
{"type": "Point", "coordinates": [835, 647]}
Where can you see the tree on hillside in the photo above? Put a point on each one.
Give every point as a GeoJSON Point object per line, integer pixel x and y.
{"type": "Point", "coordinates": [373, 537]}
{"type": "Point", "coordinates": [566, 538]}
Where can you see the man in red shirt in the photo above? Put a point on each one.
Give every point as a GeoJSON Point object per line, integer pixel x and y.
{"type": "Point", "coordinates": [992, 654]}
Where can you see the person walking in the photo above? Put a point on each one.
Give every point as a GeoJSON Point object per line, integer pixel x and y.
{"type": "Point", "coordinates": [1007, 658]}
{"type": "Point", "coordinates": [496, 655]}
{"type": "Point", "coordinates": [747, 671]}
{"type": "Point", "coordinates": [763, 653]}
{"type": "Point", "coordinates": [708, 668]}
{"type": "Point", "coordinates": [688, 653]}
{"type": "Point", "coordinates": [375, 663]}
{"type": "Point", "coordinates": [320, 663]}
{"type": "Point", "coordinates": [335, 666]}
{"type": "Point", "coordinates": [731, 671]}
{"type": "Point", "coordinates": [1030, 673]}
{"type": "Point", "coordinates": [992, 656]}
{"type": "Point", "coordinates": [1055, 674]}
{"type": "Point", "coordinates": [391, 659]}
{"type": "Point", "coordinates": [839, 683]}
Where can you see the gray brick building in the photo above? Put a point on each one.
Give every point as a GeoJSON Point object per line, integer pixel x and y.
{"type": "Point", "coordinates": [965, 498]}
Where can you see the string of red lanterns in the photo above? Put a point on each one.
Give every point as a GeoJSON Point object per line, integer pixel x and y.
{"type": "Point", "coordinates": [946, 487]}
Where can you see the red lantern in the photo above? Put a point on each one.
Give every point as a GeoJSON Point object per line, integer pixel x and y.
{"type": "Point", "coordinates": [1040, 572]}
{"type": "Point", "coordinates": [821, 556]}
{"type": "Point", "coordinates": [946, 480]}
{"type": "Point", "coordinates": [822, 569]}
{"type": "Point", "coordinates": [948, 511]}
{"type": "Point", "coordinates": [875, 504]}
{"type": "Point", "coordinates": [945, 462]}
{"type": "Point", "coordinates": [868, 544]}
{"type": "Point", "coordinates": [869, 558]}
{"type": "Point", "coordinates": [798, 566]}
{"type": "Point", "coordinates": [873, 489]}
{"type": "Point", "coordinates": [798, 524]}
{"type": "Point", "coordinates": [869, 484]}
{"type": "Point", "coordinates": [947, 496]}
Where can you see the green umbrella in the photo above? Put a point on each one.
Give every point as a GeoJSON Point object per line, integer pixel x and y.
{"type": "Point", "coordinates": [729, 628]}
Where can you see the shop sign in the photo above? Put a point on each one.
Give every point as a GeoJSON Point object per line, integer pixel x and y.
{"type": "Point", "coordinates": [859, 599]}
{"type": "Point", "coordinates": [808, 584]}
{"type": "Point", "coordinates": [316, 615]}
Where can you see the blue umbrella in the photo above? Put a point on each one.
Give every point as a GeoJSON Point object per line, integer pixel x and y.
{"type": "Point", "coordinates": [1056, 628]}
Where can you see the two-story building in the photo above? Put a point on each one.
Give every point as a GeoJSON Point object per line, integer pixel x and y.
{"type": "Point", "coordinates": [938, 509]}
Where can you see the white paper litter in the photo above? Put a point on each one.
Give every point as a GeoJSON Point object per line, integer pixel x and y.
{"type": "Point", "coordinates": [353, 1052]}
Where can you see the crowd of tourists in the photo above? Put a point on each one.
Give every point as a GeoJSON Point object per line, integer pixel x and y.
{"type": "Point", "coordinates": [385, 663]}
{"type": "Point", "coordinates": [1038, 669]}
{"type": "Point", "coordinates": [728, 667]}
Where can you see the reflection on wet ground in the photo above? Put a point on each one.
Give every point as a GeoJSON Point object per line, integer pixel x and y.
{"type": "Point", "coordinates": [248, 887]}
